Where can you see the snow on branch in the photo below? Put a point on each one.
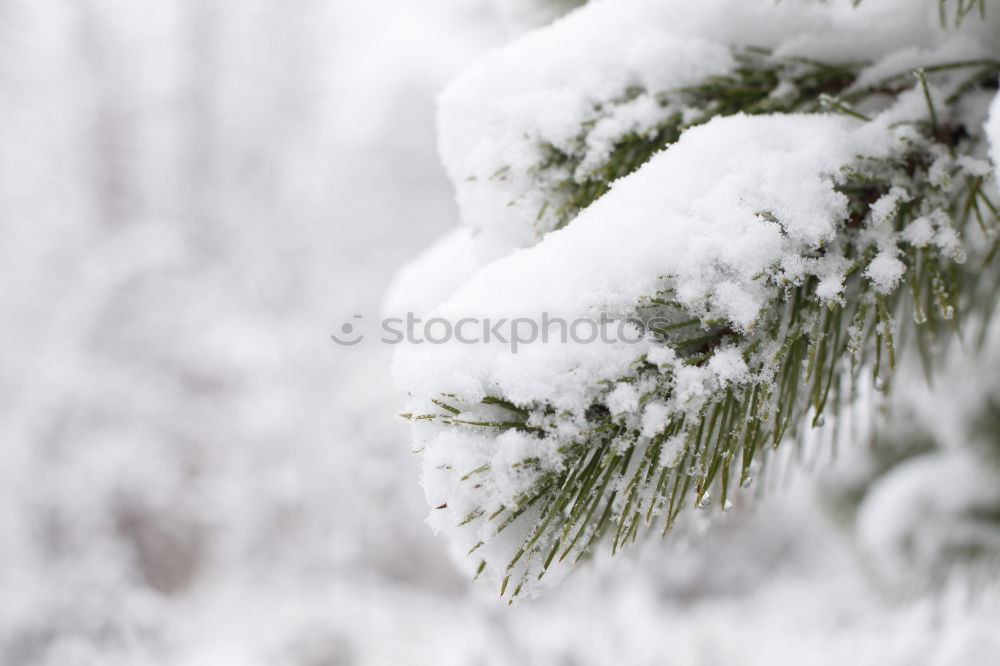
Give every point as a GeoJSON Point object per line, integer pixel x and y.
{"type": "Point", "coordinates": [779, 220]}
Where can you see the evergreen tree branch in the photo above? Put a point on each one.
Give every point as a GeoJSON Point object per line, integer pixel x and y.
{"type": "Point", "coordinates": [805, 356]}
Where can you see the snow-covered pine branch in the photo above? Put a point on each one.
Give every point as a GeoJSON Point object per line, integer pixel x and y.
{"type": "Point", "coordinates": [801, 194]}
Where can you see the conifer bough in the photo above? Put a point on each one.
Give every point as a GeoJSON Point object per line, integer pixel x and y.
{"type": "Point", "coordinates": [801, 221]}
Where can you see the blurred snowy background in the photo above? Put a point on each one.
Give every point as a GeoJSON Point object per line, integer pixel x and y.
{"type": "Point", "coordinates": [195, 194]}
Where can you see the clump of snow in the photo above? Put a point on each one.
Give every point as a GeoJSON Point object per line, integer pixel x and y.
{"type": "Point", "coordinates": [662, 356]}
{"type": "Point", "coordinates": [654, 419]}
{"type": "Point", "coordinates": [919, 232]}
{"type": "Point", "coordinates": [888, 204]}
{"type": "Point", "coordinates": [728, 366]}
{"type": "Point", "coordinates": [885, 271]}
{"type": "Point", "coordinates": [830, 287]}
{"type": "Point", "coordinates": [623, 399]}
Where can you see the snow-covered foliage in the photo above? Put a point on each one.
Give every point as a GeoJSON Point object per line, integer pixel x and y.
{"type": "Point", "coordinates": [794, 188]}
{"type": "Point", "coordinates": [528, 145]}
{"type": "Point", "coordinates": [195, 194]}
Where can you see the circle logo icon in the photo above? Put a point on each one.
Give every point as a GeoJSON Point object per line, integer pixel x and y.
{"type": "Point", "coordinates": [348, 336]}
